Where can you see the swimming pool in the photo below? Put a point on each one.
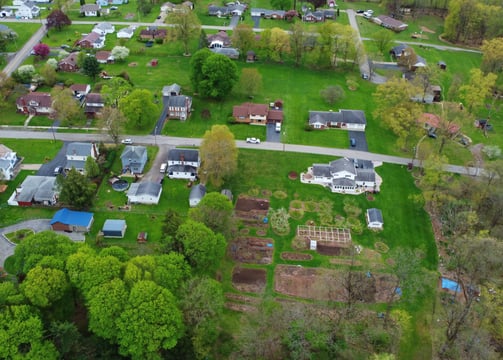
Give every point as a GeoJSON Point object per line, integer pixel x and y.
{"type": "Point", "coordinates": [451, 285]}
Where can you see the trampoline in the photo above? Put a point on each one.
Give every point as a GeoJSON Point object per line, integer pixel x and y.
{"type": "Point", "coordinates": [120, 185]}
{"type": "Point", "coordinates": [451, 285]}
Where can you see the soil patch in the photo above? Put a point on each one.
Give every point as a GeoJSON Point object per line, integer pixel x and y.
{"type": "Point", "coordinates": [296, 256]}
{"type": "Point", "coordinates": [325, 284]}
{"type": "Point", "coordinates": [332, 250]}
{"type": "Point", "coordinates": [242, 298]}
{"type": "Point", "coordinates": [249, 280]}
{"type": "Point", "coordinates": [3, 188]}
{"type": "Point", "coordinates": [240, 307]}
{"type": "Point", "coordinates": [252, 250]}
{"type": "Point", "coordinates": [348, 262]}
{"type": "Point", "coordinates": [425, 29]}
{"type": "Point", "coordinates": [250, 208]}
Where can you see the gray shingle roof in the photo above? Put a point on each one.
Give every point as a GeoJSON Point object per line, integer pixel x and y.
{"type": "Point", "coordinates": [190, 155]}
{"type": "Point", "coordinates": [198, 191]}
{"type": "Point", "coordinates": [178, 101]}
{"type": "Point", "coordinates": [144, 188]}
{"type": "Point", "coordinates": [374, 215]}
{"type": "Point", "coordinates": [321, 170]}
{"type": "Point", "coordinates": [37, 188]}
{"type": "Point", "coordinates": [343, 164]}
{"type": "Point", "coordinates": [182, 168]}
{"type": "Point", "coordinates": [79, 149]}
{"type": "Point", "coordinates": [170, 89]}
{"type": "Point", "coordinates": [135, 153]}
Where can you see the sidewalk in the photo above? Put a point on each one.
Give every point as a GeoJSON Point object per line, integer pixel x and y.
{"type": "Point", "coordinates": [30, 166]}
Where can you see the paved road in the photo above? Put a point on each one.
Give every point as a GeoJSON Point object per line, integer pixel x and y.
{"type": "Point", "coordinates": [179, 141]}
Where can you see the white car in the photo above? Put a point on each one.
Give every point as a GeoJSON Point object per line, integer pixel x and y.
{"type": "Point", "coordinates": [127, 141]}
{"type": "Point", "coordinates": [253, 140]}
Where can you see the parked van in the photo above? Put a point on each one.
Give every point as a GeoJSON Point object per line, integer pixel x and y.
{"type": "Point", "coordinates": [163, 168]}
{"type": "Point", "coordinates": [278, 127]}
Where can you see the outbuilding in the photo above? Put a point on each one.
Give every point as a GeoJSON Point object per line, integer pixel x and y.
{"type": "Point", "coordinates": [114, 228]}
{"type": "Point", "coordinates": [374, 219]}
{"type": "Point", "coordinates": [69, 221]}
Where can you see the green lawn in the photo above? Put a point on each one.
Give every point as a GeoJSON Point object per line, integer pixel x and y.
{"type": "Point", "coordinates": [34, 151]}
{"type": "Point", "coordinates": [24, 32]}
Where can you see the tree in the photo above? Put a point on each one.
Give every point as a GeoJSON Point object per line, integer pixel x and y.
{"type": "Point", "coordinates": [250, 81]}
{"type": "Point", "coordinates": [115, 89]}
{"type": "Point", "coordinates": [114, 122]}
{"type": "Point", "coordinates": [425, 77]}
{"type": "Point", "coordinates": [202, 247]}
{"type": "Point", "coordinates": [65, 107]}
{"type": "Point", "coordinates": [215, 211]}
{"type": "Point", "coordinates": [149, 322]}
{"type": "Point", "coordinates": [395, 109]}
{"type": "Point", "coordinates": [408, 58]}
{"type": "Point", "coordinates": [383, 38]}
{"type": "Point", "coordinates": [186, 27]}
{"type": "Point", "coordinates": [297, 42]}
{"type": "Point", "coordinates": [6, 37]}
{"type": "Point", "coordinates": [332, 94]}
{"type": "Point", "coordinates": [139, 108]}
{"type": "Point", "coordinates": [281, 4]}
{"type": "Point", "coordinates": [24, 74]}
{"type": "Point", "coordinates": [76, 190]}
{"type": "Point", "coordinates": [144, 7]}
{"type": "Point", "coordinates": [279, 220]}
{"type": "Point", "coordinates": [219, 75]}
{"type": "Point", "coordinates": [279, 44]}
{"type": "Point", "coordinates": [66, 338]}
{"type": "Point", "coordinates": [120, 53]}
{"type": "Point", "coordinates": [57, 19]}
{"type": "Point", "coordinates": [41, 50]}
{"type": "Point", "coordinates": [91, 67]}
{"type": "Point", "coordinates": [49, 74]}
{"type": "Point", "coordinates": [43, 286]}
{"type": "Point", "coordinates": [243, 38]}
{"type": "Point", "coordinates": [219, 155]}
{"type": "Point", "coordinates": [478, 89]}
{"type": "Point", "coordinates": [492, 55]}
{"type": "Point", "coordinates": [92, 168]}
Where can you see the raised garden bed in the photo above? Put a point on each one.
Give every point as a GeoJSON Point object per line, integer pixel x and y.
{"type": "Point", "coordinates": [296, 256]}
{"type": "Point", "coordinates": [249, 280]}
{"type": "Point", "coordinates": [252, 250]}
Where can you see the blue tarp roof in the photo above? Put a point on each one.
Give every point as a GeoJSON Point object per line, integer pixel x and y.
{"type": "Point", "coordinates": [70, 217]}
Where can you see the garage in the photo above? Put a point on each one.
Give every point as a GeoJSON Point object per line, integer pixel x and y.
{"type": "Point", "coordinates": [114, 228]}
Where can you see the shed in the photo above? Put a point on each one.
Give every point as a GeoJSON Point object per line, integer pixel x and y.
{"type": "Point", "coordinates": [442, 65]}
{"type": "Point", "coordinates": [227, 193]}
{"type": "Point", "coordinates": [114, 228]}
{"type": "Point", "coordinates": [196, 194]}
{"type": "Point", "coordinates": [374, 219]}
{"type": "Point", "coordinates": [69, 220]}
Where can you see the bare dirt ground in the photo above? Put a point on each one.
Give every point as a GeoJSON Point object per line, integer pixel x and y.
{"type": "Point", "coordinates": [249, 280]}
{"type": "Point", "coordinates": [324, 284]}
{"type": "Point", "coordinates": [252, 250]}
{"type": "Point", "coordinates": [295, 256]}
{"type": "Point", "coordinates": [425, 29]}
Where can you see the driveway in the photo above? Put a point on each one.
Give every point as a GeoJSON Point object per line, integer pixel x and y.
{"type": "Point", "coordinates": [271, 134]}
{"type": "Point", "coordinates": [162, 157]}
{"type": "Point", "coordinates": [59, 160]}
{"type": "Point", "coordinates": [361, 140]}
{"type": "Point", "coordinates": [256, 22]}
{"type": "Point", "coordinates": [234, 21]}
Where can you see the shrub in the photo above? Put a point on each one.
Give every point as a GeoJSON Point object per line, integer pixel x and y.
{"type": "Point", "coordinates": [296, 204]}
{"type": "Point", "coordinates": [279, 220]}
{"type": "Point", "coordinates": [355, 225]}
{"type": "Point", "coordinates": [381, 247]}
{"type": "Point", "coordinates": [297, 214]}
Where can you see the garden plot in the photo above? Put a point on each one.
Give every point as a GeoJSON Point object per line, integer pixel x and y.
{"type": "Point", "coordinates": [251, 209]}
{"type": "Point", "coordinates": [252, 250]}
{"type": "Point", "coordinates": [324, 284]}
{"type": "Point", "coordinates": [243, 303]}
{"type": "Point", "coordinates": [328, 240]}
{"type": "Point", "coordinates": [249, 280]}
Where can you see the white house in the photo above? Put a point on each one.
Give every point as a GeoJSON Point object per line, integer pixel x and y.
{"type": "Point", "coordinates": [90, 9]}
{"type": "Point", "coordinates": [8, 162]}
{"type": "Point", "coordinates": [134, 158]}
{"type": "Point", "coordinates": [343, 119]}
{"type": "Point", "coordinates": [183, 164]}
{"type": "Point", "coordinates": [374, 219]}
{"type": "Point", "coordinates": [77, 154]}
{"type": "Point", "coordinates": [104, 28]}
{"type": "Point", "coordinates": [145, 192]}
{"type": "Point", "coordinates": [27, 10]}
{"type": "Point", "coordinates": [352, 176]}
{"type": "Point", "coordinates": [126, 33]}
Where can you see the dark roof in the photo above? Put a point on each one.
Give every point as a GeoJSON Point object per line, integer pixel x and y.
{"type": "Point", "coordinates": [89, 7]}
{"type": "Point", "coordinates": [145, 188]}
{"type": "Point", "coordinates": [134, 152]}
{"type": "Point", "coordinates": [397, 50]}
{"type": "Point", "coordinates": [342, 164]}
{"type": "Point", "coordinates": [70, 217]}
{"type": "Point", "coordinates": [388, 21]}
{"type": "Point", "coordinates": [79, 149]}
{"type": "Point", "coordinates": [198, 191]}
{"type": "Point", "coordinates": [374, 215]}
{"type": "Point", "coordinates": [41, 98]}
{"type": "Point", "coordinates": [190, 155]}
{"type": "Point", "coordinates": [342, 116]}
{"type": "Point", "coordinates": [94, 98]}
{"type": "Point", "coordinates": [321, 170]}
{"type": "Point", "coordinates": [182, 168]}
{"type": "Point", "coordinates": [178, 101]}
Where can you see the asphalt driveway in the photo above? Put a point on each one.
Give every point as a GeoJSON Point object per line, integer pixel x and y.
{"type": "Point", "coordinates": [271, 134]}
{"type": "Point", "coordinates": [59, 160]}
{"type": "Point", "coordinates": [361, 140]}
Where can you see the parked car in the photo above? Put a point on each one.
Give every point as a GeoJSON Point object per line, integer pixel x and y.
{"type": "Point", "coordinates": [431, 134]}
{"type": "Point", "coordinates": [127, 141]}
{"type": "Point", "coordinates": [360, 11]}
{"type": "Point", "coordinates": [58, 170]}
{"type": "Point", "coordinates": [113, 8]}
{"type": "Point", "coordinates": [352, 142]}
{"type": "Point", "coordinates": [253, 140]}
{"type": "Point", "coordinates": [65, 46]}
{"type": "Point", "coordinates": [278, 127]}
{"type": "Point", "coordinates": [163, 168]}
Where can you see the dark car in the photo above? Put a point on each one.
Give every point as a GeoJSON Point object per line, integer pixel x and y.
{"type": "Point", "coordinates": [360, 11]}
{"type": "Point", "coordinates": [352, 142]}
{"type": "Point", "coordinates": [432, 134]}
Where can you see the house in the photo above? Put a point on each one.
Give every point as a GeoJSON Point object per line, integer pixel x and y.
{"type": "Point", "coordinates": [69, 63]}
{"type": "Point", "coordinates": [251, 113]}
{"type": "Point", "coordinates": [104, 57]}
{"type": "Point", "coordinates": [153, 33]}
{"type": "Point", "coordinates": [27, 10]}
{"type": "Point", "coordinates": [352, 176]}
{"type": "Point", "coordinates": [69, 220]}
{"type": "Point", "coordinates": [432, 94]}
{"type": "Point", "coordinates": [314, 16]}
{"type": "Point", "coordinates": [170, 7]}
{"type": "Point", "coordinates": [179, 107]}
{"type": "Point", "coordinates": [220, 39]}
{"type": "Point", "coordinates": [268, 14]}
{"type": "Point", "coordinates": [390, 23]}
{"type": "Point", "coordinates": [8, 163]}
{"type": "Point", "coordinates": [430, 122]}
{"type": "Point", "coordinates": [183, 164]}
{"type": "Point", "coordinates": [114, 228]}
{"type": "Point", "coordinates": [36, 190]}
{"type": "Point", "coordinates": [343, 119]}
{"type": "Point", "coordinates": [374, 219]}
{"type": "Point", "coordinates": [104, 28]}
{"type": "Point", "coordinates": [145, 192]}
{"type": "Point", "coordinates": [93, 104]}
{"type": "Point", "coordinates": [196, 194]}
{"type": "Point", "coordinates": [91, 41]}
{"type": "Point", "coordinates": [80, 89]}
{"type": "Point", "coordinates": [420, 62]}
{"type": "Point", "coordinates": [134, 159]}
{"type": "Point", "coordinates": [231, 53]}
{"type": "Point", "coordinates": [77, 154]}
{"type": "Point", "coordinates": [6, 12]}
{"type": "Point", "coordinates": [219, 11]}
{"type": "Point", "coordinates": [398, 51]}
{"type": "Point", "coordinates": [126, 33]}
{"type": "Point", "coordinates": [35, 103]}
{"type": "Point", "coordinates": [275, 116]}
{"type": "Point", "coordinates": [171, 90]}
{"type": "Point", "coordinates": [90, 9]}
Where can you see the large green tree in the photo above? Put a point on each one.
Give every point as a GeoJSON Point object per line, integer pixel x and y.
{"type": "Point", "coordinates": [492, 55]}
{"type": "Point", "coordinates": [219, 155]}
{"type": "Point", "coordinates": [478, 89]}
{"type": "Point", "coordinates": [139, 108]}
{"type": "Point", "coordinates": [91, 67]}
{"type": "Point", "coordinates": [215, 211]}
{"type": "Point", "coordinates": [150, 322]}
{"type": "Point", "coordinates": [185, 27]}
{"type": "Point", "coordinates": [65, 107]}
{"type": "Point", "coordinates": [76, 190]}
{"type": "Point", "coordinates": [43, 286]}
{"type": "Point", "coordinates": [114, 90]}
{"type": "Point", "coordinates": [219, 74]}
{"type": "Point", "coordinates": [243, 38]}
